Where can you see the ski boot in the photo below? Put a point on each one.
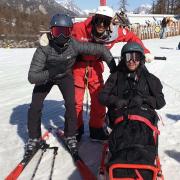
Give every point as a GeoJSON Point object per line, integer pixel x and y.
{"type": "Point", "coordinates": [99, 134]}
{"type": "Point", "coordinates": [79, 133]}
{"type": "Point", "coordinates": [71, 144]}
{"type": "Point", "coordinates": [33, 145]}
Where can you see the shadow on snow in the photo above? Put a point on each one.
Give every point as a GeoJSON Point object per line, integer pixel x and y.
{"type": "Point", "coordinates": [52, 114]}
{"type": "Point", "coordinates": [173, 154]}
{"type": "Point", "coordinates": [174, 117]}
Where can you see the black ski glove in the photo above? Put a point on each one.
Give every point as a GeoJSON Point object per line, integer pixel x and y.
{"type": "Point", "coordinates": [55, 69]}
{"type": "Point", "coordinates": [121, 103]}
{"type": "Point", "coordinates": [151, 101]}
{"type": "Point", "coordinates": [112, 66]}
{"type": "Point", "coordinates": [136, 101]}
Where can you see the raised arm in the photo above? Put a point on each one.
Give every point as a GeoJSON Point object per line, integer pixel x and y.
{"type": "Point", "coordinates": [87, 48]}
{"type": "Point", "coordinates": [127, 36]}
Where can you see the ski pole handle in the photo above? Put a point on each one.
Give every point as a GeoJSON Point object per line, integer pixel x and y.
{"type": "Point", "coordinates": [160, 58]}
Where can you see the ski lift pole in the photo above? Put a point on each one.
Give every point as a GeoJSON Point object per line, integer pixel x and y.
{"type": "Point", "coordinates": [102, 2]}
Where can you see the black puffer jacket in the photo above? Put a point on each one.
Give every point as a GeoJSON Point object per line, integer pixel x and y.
{"type": "Point", "coordinates": [118, 87]}
{"type": "Point", "coordinates": [45, 56]}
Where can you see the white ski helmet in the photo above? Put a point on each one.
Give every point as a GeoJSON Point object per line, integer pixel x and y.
{"type": "Point", "coordinates": [105, 10]}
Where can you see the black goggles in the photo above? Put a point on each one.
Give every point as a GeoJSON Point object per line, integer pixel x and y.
{"type": "Point", "coordinates": [58, 30]}
{"type": "Point", "coordinates": [133, 56]}
{"type": "Point", "coordinates": [105, 20]}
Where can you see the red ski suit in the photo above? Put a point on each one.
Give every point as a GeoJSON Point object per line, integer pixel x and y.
{"type": "Point", "coordinates": [92, 68]}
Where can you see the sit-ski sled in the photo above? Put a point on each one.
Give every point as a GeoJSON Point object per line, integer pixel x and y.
{"type": "Point", "coordinates": [108, 174]}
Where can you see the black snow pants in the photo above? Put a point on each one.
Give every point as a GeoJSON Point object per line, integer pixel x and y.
{"type": "Point", "coordinates": [66, 86]}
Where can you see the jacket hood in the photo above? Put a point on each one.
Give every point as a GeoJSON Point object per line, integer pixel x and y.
{"type": "Point", "coordinates": [43, 40]}
{"type": "Point", "coordinates": [88, 24]}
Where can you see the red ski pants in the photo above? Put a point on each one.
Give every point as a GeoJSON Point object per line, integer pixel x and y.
{"type": "Point", "coordinates": [94, 83]}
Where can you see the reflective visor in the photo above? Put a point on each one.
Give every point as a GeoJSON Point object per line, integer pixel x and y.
{"type": "Point", "coordinates": [99, 19]}
{"type": "Point", "coordinates": [58, 30]}
{"type": "Point", "coordinates": [134, 56]}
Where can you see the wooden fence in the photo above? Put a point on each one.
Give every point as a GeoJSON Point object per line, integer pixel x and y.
{"type": "Point", "coordinates": [153, 31]}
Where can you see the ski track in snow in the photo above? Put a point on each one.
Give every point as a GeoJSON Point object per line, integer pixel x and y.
{"type": "Point", "coordinates": [15, 93]}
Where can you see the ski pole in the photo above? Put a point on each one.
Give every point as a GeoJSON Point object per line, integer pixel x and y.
{"type": "Point", "coordinates": [160, 58]}
{"type": "Point", "coordinates": [53, 161]}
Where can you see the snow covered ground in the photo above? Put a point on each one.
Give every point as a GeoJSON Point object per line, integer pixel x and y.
{"type": "Point", "coordinates": [15, 96]}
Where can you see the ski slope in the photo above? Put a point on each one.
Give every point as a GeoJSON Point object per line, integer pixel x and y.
{"type": "Point", "coordinates": [15, 96]}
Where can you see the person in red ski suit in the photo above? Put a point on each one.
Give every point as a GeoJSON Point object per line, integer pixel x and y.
{"type": "Point", "coordinates": [88, 70]}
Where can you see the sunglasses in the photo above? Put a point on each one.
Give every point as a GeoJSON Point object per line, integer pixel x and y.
{"type": "Point", "coordinates": [56, 31]}
{"type": "Point", "coordinates": [133, 56]}
{"type": "Point", "coordinates": [102, 19]}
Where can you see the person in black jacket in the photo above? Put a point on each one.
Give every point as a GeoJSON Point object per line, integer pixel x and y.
{"type": "Point", "coordinates": [51, 65]}
{"type": "Point", "coordinates": [132, 94]}
{"type": "Point", "coordinates": [163, 28]}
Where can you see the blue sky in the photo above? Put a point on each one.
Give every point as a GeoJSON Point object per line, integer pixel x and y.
{"type": "Point", "coordinates": [93, 4]}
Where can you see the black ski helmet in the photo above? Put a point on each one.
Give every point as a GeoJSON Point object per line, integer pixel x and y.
{"type": "Point", "coordinates": [61, 20]}
{"type": "Point", "coordinates": [132, 47]}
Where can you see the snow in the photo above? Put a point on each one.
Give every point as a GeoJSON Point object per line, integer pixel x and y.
{"type": "Point", "coordinates": [15, 93]}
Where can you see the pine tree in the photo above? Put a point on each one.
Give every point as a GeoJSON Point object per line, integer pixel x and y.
{"type": "Point", "coordinates": [122, 5]}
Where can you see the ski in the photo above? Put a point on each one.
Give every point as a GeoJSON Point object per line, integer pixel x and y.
{"type": "Point", "coordinates": [15, 173]}
{"type": "Point", "coordinates": [83, 169]}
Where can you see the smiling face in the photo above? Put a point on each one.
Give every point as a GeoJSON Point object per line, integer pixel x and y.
{"type": "Point", "coordinates": [132, 65]}
{"type": "Point", "coordinates": [102, 23]}
{"type": "Point", "coordinates": [132, 60]}
{"type": "Point", "coordinates": [100, 28]}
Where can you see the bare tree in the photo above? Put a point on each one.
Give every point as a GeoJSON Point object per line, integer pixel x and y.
{"type": "Point", "coordinates": [166, 7]}
{"type": "Point", "coordinates": [153, 7]}
{"type": "Point", "coordinates": [160, 7]}
{"type": "Point", "coordinates": [177, 7]}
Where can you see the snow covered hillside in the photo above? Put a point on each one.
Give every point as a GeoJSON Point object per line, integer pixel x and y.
{"type": "Point", "coordinates": [15, 96]}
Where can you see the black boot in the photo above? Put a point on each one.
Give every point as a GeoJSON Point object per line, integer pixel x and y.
{"type": "Point", "coordinates": [98, 134]}
{"type": "Point", "coordinates": [80, 132]}
{"type": "Point", "coordinates": [71, 143]}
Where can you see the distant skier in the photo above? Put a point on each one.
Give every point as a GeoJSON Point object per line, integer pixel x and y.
{"type": "Point", "coordinates": [52, 65]}
{"type": "Point", "coordinates": [163, 28]}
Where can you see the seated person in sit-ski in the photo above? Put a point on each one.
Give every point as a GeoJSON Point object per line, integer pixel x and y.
{"type": "Point", "coordinates": [132, 94]}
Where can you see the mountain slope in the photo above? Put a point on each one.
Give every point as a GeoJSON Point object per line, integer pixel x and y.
{"type": "Point", "coordinates": [25, 18]}
{"type": "Point", "coordinates": [49, 7]}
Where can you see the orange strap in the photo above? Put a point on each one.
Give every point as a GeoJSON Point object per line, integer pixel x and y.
{"type": "Point", "coordinates": [141, 119]}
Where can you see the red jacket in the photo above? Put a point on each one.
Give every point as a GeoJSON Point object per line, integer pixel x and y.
{"type": "Point", "coordinates": [82, 32]}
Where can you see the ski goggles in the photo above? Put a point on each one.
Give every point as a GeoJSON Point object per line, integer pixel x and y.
{"type": "Point", "coordinates": [133, 56]}
{"type": "Point", "coordinates": [105, 20]}
{"type": "Point", "coordinates": [56, 31]}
